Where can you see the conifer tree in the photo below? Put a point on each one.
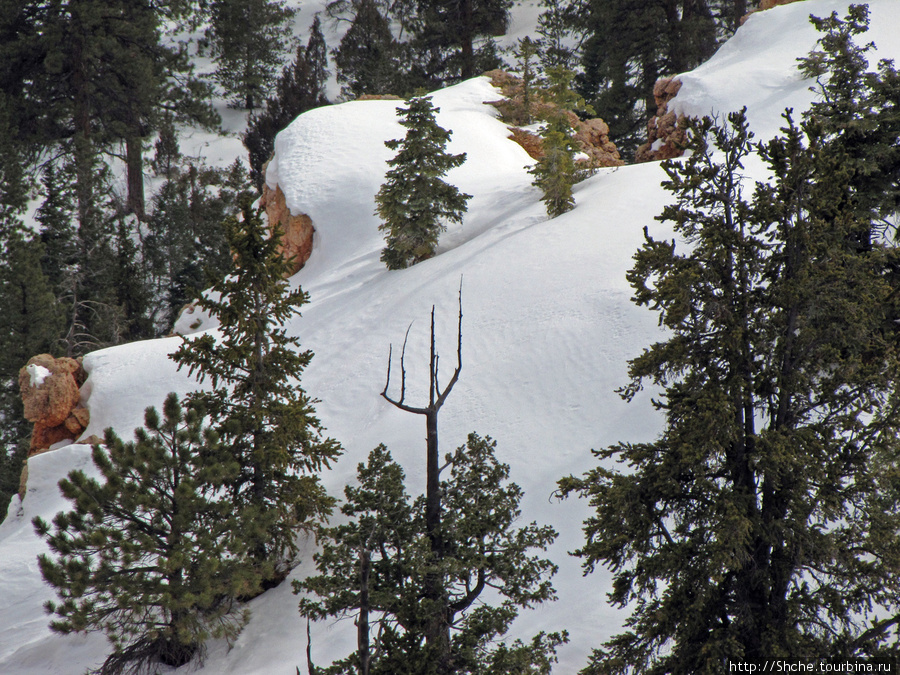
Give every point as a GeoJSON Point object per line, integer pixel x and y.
{"type": "Point", "coordinates": [417, 571]}
{"type": "Point", "coordinates": [265, 419]}
{"type": "Point", "coordinates": [453, 39]}
{"type": "Point", "coordinates": [414, 201]}
{"type": "Point", "coordinates": [527, 52]}
{"type": "Point", "coordinates": [367, 59]}
{"type": "Point", "coordinates": [555, 26]}
{"type": "Point", "coordinates": [859, 113]}
{"type": "Point", "coordinates": [555, 171]}
{"type": "Point", "coordinates": [108, 75]}
{"type": "Point", "coordinates": [32, 321]}
{"type": "Point", "coordinates": [300, 88]}
{"type": "Point", "coordinates": [373, 569]}
{"type": "Point", "coordinates": [142, 555]}
{"type": "Point", "coordinates": [627, 45]}
{"type": "Point", "coordinates": [57, 225]}
{"type": "Point", "coordinates": [768, 509]}
{"type": "Point", "coordinates": [184, 244]}
{"type": "Point", "coordinates": [249, 39]}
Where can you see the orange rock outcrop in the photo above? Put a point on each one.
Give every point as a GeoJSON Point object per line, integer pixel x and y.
{"type": "Point", "coordinates": [297, 230]}
{"type": "Point", "coordinates": [50, 394]}
{"type": "Point", "coordinates": [592, 135]}
{"type": "Point", "coordinates": [665, 130]}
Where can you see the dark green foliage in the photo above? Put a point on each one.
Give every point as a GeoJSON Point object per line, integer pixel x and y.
{"type": "Point", "coordinates": [89, 288]}
{"type": "Point", "coordinates": [555, 26]}
{"type": "Point", "coordinates": [555, 171]}
{"type": "Point", "coordinates": [368, 58]}
{"type": "Point", "coordinates": [265, 420]}
{"type": "Point", "coordinates": [859, 111]}
{"type": "Point", "coordinates": [143, 554]}
{"type": "Point", "coordinates": [414, 201]}
{"type": "Point", "coordinates": [300, 88]}
{"type": "Point", "coordinates": [31, 323]}
{"type": "Point", "coordinates": [106, 75]}
{"type": "Point", "coordinates": [527, 51]}
{"type": "Point", "coordinates": [763, 523]}
{"type": "Point", "coordinates": [627, 46]}
{"type": "Point", "coordinates": [249, 40]}
{"type": "Point", "coordinates": [453, 39]}
{"type": "Point", "coordinates": [386, 536]}
{"type": "Point", "coordinates": [59, 234]}
{"type": "Point", "coordinates": [184, 248]}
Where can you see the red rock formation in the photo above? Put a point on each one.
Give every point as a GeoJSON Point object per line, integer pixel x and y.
{"type": "Point", "coordinates": [298, 230]}
{"type": "Point", "coordinates": [50, 394]}
{"type": "Point", "coordinates": [665, 131]}
{"type": "Point", "coordinates": [592, 135]}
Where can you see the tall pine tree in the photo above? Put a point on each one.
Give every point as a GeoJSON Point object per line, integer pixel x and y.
{"type": "Point", "coordinates": [453, 39]}
{"type": "Point", "coordinates": [373, 569]}
{"type": "Point", "coordinates": [859, 111]}
{"type": "Point", "coordinates": [265, 419]}
{"type": "Point", "coordinates": [249, 39]}
{"type": "Point", "coordinates": [143, 554]}
{"type": "Point", "coordinates": [368, 58]}
{"type": "Point", "coordinates": [301, 87]}
{"type": "Point", "coordinates": [414, 201]}
{"type": "Point", "coordinates": [627, 45]}
{"type": "Point", "coordinates": [768, 510]}
{"type": "Point", "coordinates": [555, 172]}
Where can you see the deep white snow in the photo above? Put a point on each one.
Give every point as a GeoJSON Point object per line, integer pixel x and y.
{"type": "Point", "coordinates": [548, 327]}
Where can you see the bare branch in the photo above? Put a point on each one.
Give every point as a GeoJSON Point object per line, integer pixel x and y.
{"type": "Point", "coordinates": [443, 395]}
{"type": "Point", "coordinates": [398, 403]}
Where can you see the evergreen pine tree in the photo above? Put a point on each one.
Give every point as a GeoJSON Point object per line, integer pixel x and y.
{"type": "Point", "coordinates": [184, 245]}
{"type": "Point", "coordinates": [142, 555]}
{"type": "Point", "coordinates": [32, 320]}
{"type": "Point", "coordinates": [367, 59]}
{"type": "Point", "coordinates": [453, 39]}
{"type": "Point", "coordinates": [249, 39]}
{"type": "Point", "coordinates": [374, 568]}
{"type": "Point", "coordinates": [300, 88]}
{"type": "Point", "coordinates": [627, 45]}
{"type": "Point", "coordinates": [266, 421]}
{"type": "Point", "coordinates": [555, 26]}
{"type": "Point", "coordinates": [555, 171]}
{"type": "Point", "coordinates": [57, 226]}
{"type": "Point", "coordinates": [859, 113]}
{"type": "Point", "coordinates": [767, 508]}
{"type": "Point", "coordinates": [527, 52]}
{"type": "Point", "coordinates": [88, 287]}
{"type": "Point", "coordinates": [414, 200]}
{"type": "Point", "coordinates": [108, 76]}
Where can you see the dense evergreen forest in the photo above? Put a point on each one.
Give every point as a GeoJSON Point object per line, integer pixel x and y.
{"type": "Point", "coordinates": [776, 473]}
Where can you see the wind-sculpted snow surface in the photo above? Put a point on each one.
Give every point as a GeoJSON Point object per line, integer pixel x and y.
{"type": "Point", "coordinates": [547, 329]}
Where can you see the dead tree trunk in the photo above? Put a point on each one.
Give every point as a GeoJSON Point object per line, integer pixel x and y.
{"type": "Point", "coordinates": [362, 622]}
{"type": "Point", "coordinates": [437, 632]}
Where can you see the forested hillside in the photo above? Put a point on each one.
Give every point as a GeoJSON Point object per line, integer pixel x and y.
{"type": "Point", "coordinates": [719, 329]}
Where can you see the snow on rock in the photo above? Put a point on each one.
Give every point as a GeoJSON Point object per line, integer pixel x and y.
{"type": "Point", "coordinates": [36, 374]}
{"type": "Point", "coordinates": [548, 328]}
{"type": "Point", "coordinates": [757, 67]}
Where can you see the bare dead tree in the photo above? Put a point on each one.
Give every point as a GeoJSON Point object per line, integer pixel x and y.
{"type": "Point", "coordinates": [437, 633]}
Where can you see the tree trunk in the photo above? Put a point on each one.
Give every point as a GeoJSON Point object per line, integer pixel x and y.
{"type": "Point", "coordinates": [437, 634]}
{"type": "Point", "coordinates": [467, 37]}
{"type": "Point", "coordinates": [134, 159]}
{"type": "Point", "coordinates": [362, 623]}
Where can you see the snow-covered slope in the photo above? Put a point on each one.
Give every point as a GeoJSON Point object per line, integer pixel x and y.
{"type": "Point", "coordinates": [548, 328]}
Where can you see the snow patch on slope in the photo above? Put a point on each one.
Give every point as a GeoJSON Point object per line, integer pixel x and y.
{"type": "Point", "coordinates": [548, 327]}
